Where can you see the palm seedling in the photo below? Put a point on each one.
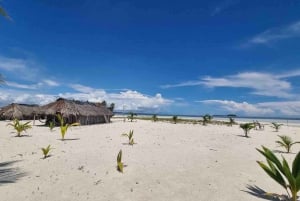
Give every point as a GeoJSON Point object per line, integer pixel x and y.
{"type": "Point", "coordinates": [288, 178]}
{"type": "Point", "coordinates": [46, 151]}
{"type": "Point", "coordinates": [120, 164]}
{"type": "Point", "coordinates": [19, 127]}
{"type": "Point", "coordinates": [286, 142]}
{"type": "Point", "coordinates": [64, 127]}
{"type": "Point", "coordinates": [154, 118]}
{"type": "Point", "coordinates": [131, 116]}
{"type": "Point", "coordinates": [51, 125]}
{"type": "Point", "coordinates": [175, 119]}
{"type": "Point", "coordinates": [231, 121]}
{"type": "Point", "coordinates": [206, 119]}
{"type": "Point", "coordinates": [247, 127]}
{"type": "Point", "coordinates": [276, 126]}
{"type": "Point", "coordinates": [130, 137]}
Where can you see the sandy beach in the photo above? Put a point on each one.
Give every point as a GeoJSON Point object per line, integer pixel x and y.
{"type": "Point", "coordinates": [178, 162]}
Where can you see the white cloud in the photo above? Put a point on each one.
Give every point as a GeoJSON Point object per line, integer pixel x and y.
{"type": "Point", "coordinates": [129, 100]}
{"type": "Point", "coordinates": [276, 34]}
{"type": "Point", "coordinates": [288, 108]}
{"type": "Point", "coordinates": [264, 84]}
{"type": "Point", "coordinates": [11, 64]}
{"type": "Point", "coordinates": [51, 83]}
{"type": "Point", "coordinates": [22, 86]}
{"type": "Point", "coordinates": [223, 6]}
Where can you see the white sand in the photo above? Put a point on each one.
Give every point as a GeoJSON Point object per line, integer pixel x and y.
{"type": "Point", "coordinates": [181, 162]}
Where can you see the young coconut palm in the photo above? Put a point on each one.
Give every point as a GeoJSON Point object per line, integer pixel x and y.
{"type": "Point", "coordinates": [131, 116]}
{"type": "Point", "coordinates": [231, 121]}
{"type": "Point", "coordinates": [64, 127]}
{"type": "Point", "coordinates": [154, 118]}
{"type": "Point", "coordinates": [286, 142]}
{"type": "Point", "coordinates": [46, 151]}
{"type": "Point", "coordinates": [130, 137]}
{"type": "Point", "coordinates": [247, 127]}
{"type": "Point", "coordinates": [281, 172]}
{"type": "Point", "coordinates": [276, 126]}
{"type": "Point", "coordinates": [206, 119]}
{"type": "Point", "coordinates": [19, 127]}
{"type": "Point", "coordinates": [175, 119]}
{"type": "Point", "coordinates": [51, 125]}
{"type": "Point", "coordinates": [120, 164]}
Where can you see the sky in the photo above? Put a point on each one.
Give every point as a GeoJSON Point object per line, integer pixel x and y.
{"type": "Point", "coordinates": [175, 57]}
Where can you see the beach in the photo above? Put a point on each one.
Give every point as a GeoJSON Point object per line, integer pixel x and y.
{"type": "Point", "coordinates": [178, 162]}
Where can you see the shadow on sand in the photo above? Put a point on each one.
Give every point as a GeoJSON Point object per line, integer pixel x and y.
{"type": "Point", "coordinates": [9, 174]}
{"type": "Point", "coordinates": [260, 193]}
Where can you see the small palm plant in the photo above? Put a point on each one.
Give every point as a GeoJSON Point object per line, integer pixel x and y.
{"type": "Point", "coordinates": [276, 126]}
{"type": "Point", "coordinates": [286, 142]}
{"type": "Point", "coordinates": [120, 164]}
{"type": "Point", "coordinates": [154, 118]}
{"type": "Point", "coordinates": [131, 116]}
{"type": "Point", "coordinates": [247, 127]}
{"type": "Point", "coordinates": [130, 137]}
{"type": "Point", "coordinates": [19, 127]}
{"type": "Point", "coordinates": [64, 127]}
{"type": "Point", "coordinates": [281, 172]}
{"type": "Point", "coordinates": [51, 125]}
{"type": "Point", "coordinates": [46, 151]}
{"type": "Point", "coordinates": [175, 119]}
{"type": "Point", "coordinates": [206, 119]}
{"type": "Point", "coordinates": [231, 121]}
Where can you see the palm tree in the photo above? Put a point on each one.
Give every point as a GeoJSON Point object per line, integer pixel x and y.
{"type": "Point", "coordinates": [64, 127]}
{"type": "Point", "coordinates": [231, 121]}
{"type": "Point", "coordinates": [276, 126]}
{"type": "Point", "coordinates": [154, 118]}
{"type": "Point", "coordinates": [4, 13]}
{"type": "Point", "coordinates": [288, 178]}
{"type": "Point", "coordinates": [286, 142]}
{"type": "Point", "coordinates": [175, 118]}
{"type": "Point", "coordinates": [19, 127]}
{"type": "Point", "coordinates": [206, 119]}
{"type": "Point", "coordinates": [247, 127]}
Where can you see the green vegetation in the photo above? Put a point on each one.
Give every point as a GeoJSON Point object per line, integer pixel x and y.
{"type": "Point", "coordinates": [281, 172]}
{"type": "Point", "coordinates": [154, 118]}
{"type": "Point", "coordinates": [51, 125]}
{"type": "Point", "coordinates": [175, 119]}
{"type": "Point", "coordinates": [130, 137]}
{"type": "Point", "coordinates": [231, 121]}
{"type": "Point", "coordinates": [131, 116]}
{"type": "Point", "coordinates": [286, 142]}
{"type": "Point", "coordinates": [19, 127]}
{"type": "Point", "coordinates": [64, 127]}
{"type": "Point", "coordinates": [206, 119]}
{"type": "Point", "coordinates": [276, 126]}
{"type": "Point", "coordinates": [46, 151]}
{"type": "Point", "coordinates": [120, 164]}
{"type": "Point", "coordinates": [247, 127]}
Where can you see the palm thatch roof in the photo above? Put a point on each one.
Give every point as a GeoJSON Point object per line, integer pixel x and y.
{"type": "Point", "coordinates": [19, 111]}
{"type": "Point", "coordinates": [77, 111]}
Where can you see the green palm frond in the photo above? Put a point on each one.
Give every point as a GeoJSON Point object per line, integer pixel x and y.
{"type": "Point", "coordinates": [286, 142]}
{"type": "Point", "coordinates": [120, 165]}
{"type": "Point", "coordinates": [19, 127]}
{"type": "Point", "coordinates": [276, 126]}
{"type": "Point", "coordinates": [46, 151]}
{"type": "Point", "coordinates": [247, 127]}
{"type": "Point", "coordinates": [281, 172]}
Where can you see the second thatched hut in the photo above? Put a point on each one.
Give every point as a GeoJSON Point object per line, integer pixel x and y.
{"type": "Point", "coordinates": [73, 111]}
{"type": "Point", "coordinates": [19, 111]}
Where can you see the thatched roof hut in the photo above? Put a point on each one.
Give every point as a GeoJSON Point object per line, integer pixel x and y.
{"type": "Point", "coordinates": [19, 111]}
{"type": "Point", "coordinates": [73, 111]}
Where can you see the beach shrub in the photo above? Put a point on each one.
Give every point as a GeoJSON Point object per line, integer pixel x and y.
{"type": "Point", "coordinates": [120, 164]}
{"type": "Point", "coordinates": [247, 127]}
{"type": "Point", "coordinates": [286, 142]}
{"type": "Point", "coordinates": [175, 119]}
{"type": "Point", "coordinates": [19, 127]}
{"type": "Point", "coordinates": [279, 171]}
{"type": "Point", "coordinates": [276, 126]}
{"type": "Point", "coordinates": [64, 127]}
{"type": "Point", "coordinates": [130, 137]}
{"type": "Point", "coordinates": [231, 121]}
{"type": "Point", "coordinates": [46, 151]}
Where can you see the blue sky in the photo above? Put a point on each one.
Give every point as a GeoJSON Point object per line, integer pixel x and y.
{"type": "Point", "coordinates": [183, 57]}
